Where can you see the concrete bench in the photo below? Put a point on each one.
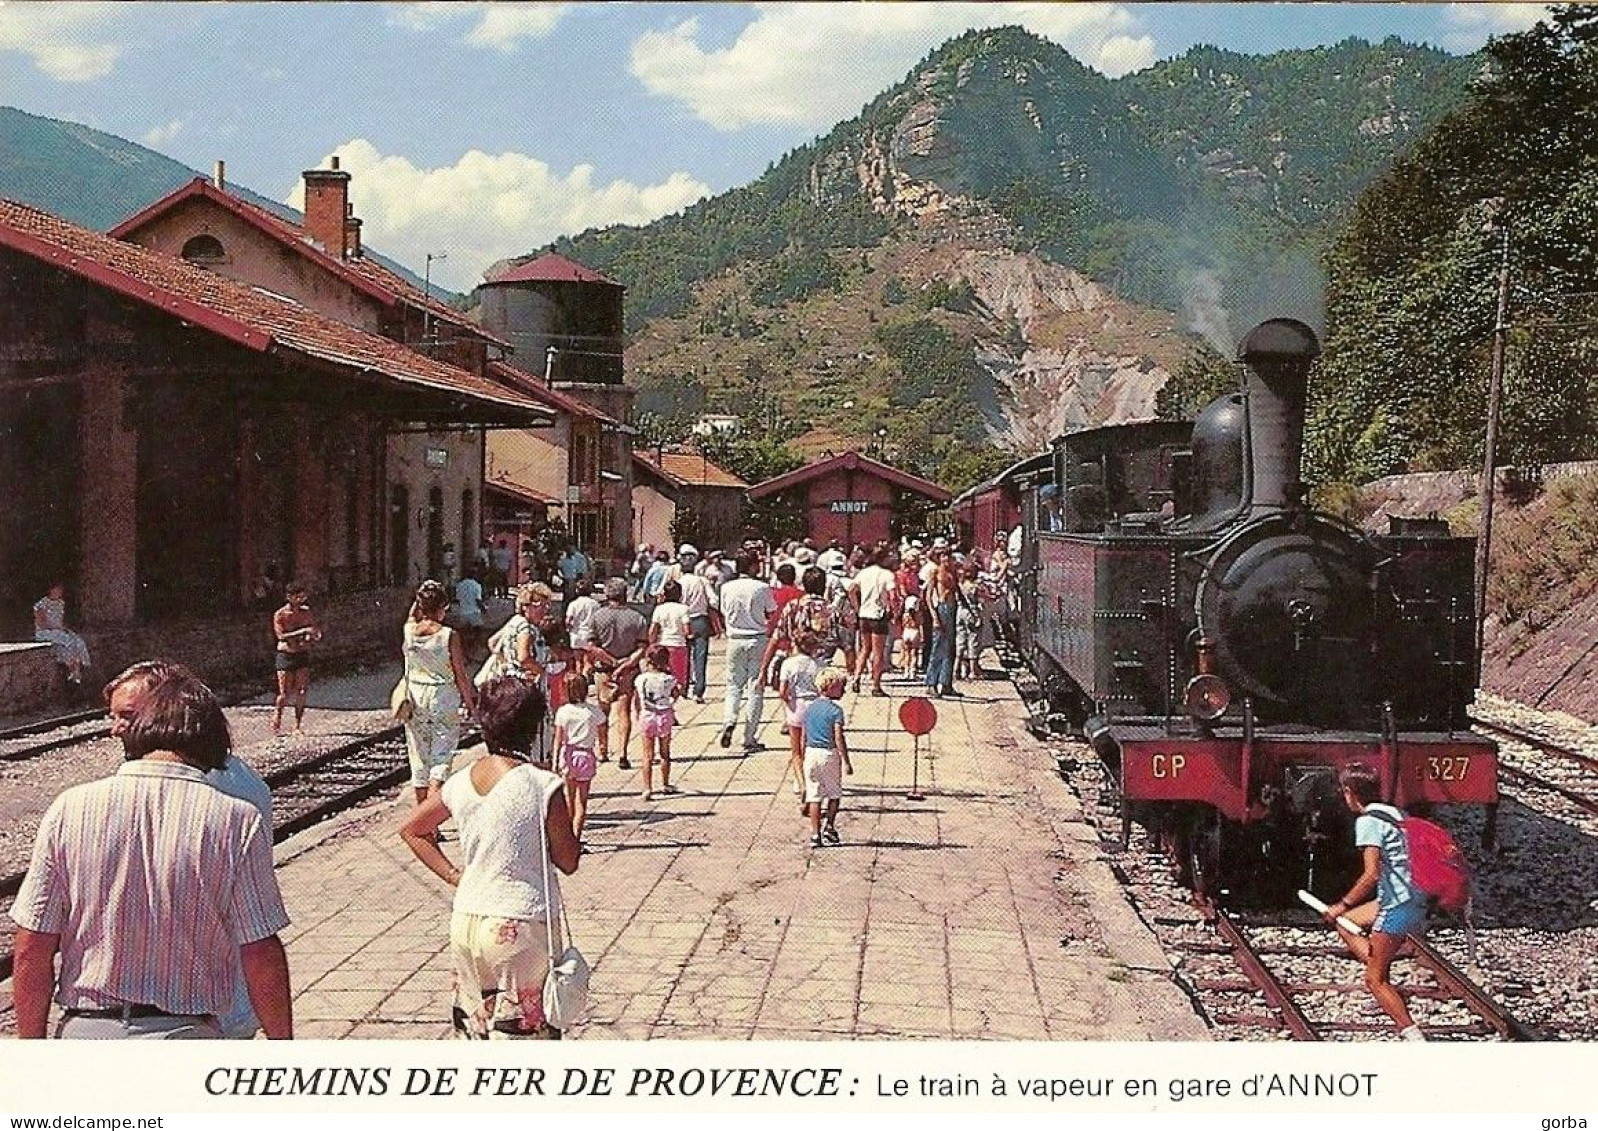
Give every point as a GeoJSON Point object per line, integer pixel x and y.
{"type": "Point", "coordinates": [30, 680]}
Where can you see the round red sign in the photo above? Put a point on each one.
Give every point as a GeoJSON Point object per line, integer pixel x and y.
{"type": "Point", "coordinates": [918, 716]}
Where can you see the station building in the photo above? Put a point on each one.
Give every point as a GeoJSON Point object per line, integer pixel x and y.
{"type": "Point", "coordinates": [433, 473]}
{"type": "Point", "coordinates": [536, 476]}
{"type": "Point", "coordinates": [681, 496]}
{"type": "Point", "coordinates": [168, 433]}
{"type": "Point", "coordinates": [854, 498]}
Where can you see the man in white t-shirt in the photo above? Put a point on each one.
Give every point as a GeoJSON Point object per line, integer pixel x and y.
{"type": "Point", "coordinates": [580, 614]}
{"type": "Point", "coordinates": [876, 594]}
{"type": "Point", "coordinates": [700, 599]}
{"type": "Point", "coordinates": [747, 606]}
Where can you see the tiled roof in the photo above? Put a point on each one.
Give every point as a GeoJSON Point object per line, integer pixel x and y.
{"type": "Point", "coordinates": [852, 461]}
{"type": "Point", "coordinates": [530, 386]}
{"type": "Point", "coordinates": [689, 469]}
{"type": "Point", "coordinates": [551, 267]}
{"type": "Point", "coordinates": [412, 295]}
{"type": "Point", "coordinates": [250, 316]}
{"type": "Point", "coordinates": [363, 273]}
{"type": "Point", "coordinates": [520, 492]}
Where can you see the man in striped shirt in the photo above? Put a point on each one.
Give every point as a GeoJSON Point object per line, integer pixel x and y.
{"type": "Point", "coordinates": [150, 885]}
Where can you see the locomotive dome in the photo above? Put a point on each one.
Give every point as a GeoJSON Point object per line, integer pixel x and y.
{"type": "Point", "coordinates": [1279, 339]}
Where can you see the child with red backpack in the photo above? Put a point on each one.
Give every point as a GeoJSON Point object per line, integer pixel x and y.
{"type": "Point", "coordinates": [1399, 906]}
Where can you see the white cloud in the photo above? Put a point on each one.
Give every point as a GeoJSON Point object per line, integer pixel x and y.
{"type": "Point", "coordinates": [1466, 27]}
{"type": "Point", "coordinates": [1121, 54]}
{"type": "Point", "coordinates": [65, 41]}
{"type": "Point", "coordinates": [157, 136]}
{"type": "Point", "coordinates": [486, 207]}
{"type": "Point", "coordinates": [812, 64]}
{"type": "Point", "coordinates": [498, 26]}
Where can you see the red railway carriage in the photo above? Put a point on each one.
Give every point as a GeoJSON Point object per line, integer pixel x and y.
{"type": "Point", "coordinates": [993, 507]}
{"type": "Point", "coordinates": [1228, 649]}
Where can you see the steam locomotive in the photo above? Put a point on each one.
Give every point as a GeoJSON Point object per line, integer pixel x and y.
{"type": "Point", "coordinates": [1227, 648]}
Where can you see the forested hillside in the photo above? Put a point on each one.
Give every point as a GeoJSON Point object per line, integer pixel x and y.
{"type": "Point", "coordinates": [1413, 281]}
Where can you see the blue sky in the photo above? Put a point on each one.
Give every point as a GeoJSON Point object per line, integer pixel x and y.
{"type": "Point", "coordinates": [485, 130]}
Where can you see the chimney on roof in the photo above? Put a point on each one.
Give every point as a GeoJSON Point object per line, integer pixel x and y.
{"type": "Point", "coordinates": [221, 174]}
{"type": "Point", "coordinates": [352, 233]}
{"type": "Point", "coordinates": [327, 207]}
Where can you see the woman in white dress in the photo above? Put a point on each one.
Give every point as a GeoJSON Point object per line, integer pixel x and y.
{"type": "Point", "coordinates": [50, 627]}
{"type": "Point", "coordinates": [438, 687]}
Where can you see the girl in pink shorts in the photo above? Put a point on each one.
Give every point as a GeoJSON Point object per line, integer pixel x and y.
{"type": "Point", "coordinates": [657, 696]}
{"type": "Point", "coordinates": [580, 731]}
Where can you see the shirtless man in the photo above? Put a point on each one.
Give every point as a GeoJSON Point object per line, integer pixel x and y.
{"type": "Point", "coordinates": [295, 627]}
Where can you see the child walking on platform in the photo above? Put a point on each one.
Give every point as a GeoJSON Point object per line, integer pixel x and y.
{"type": "Point", "coordinates": [580, 730]}
{"type": "Point", "coordinates": [796, 683]}
{"type": "Point", "coordinates": [826, 756]}
{"type": "Point", "coordinates": [658, 690]}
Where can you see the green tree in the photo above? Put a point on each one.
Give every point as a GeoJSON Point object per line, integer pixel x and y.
{"type": "Point", "coordinates": [1412, 283]}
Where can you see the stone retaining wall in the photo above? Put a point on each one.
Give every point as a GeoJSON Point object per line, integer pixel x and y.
{"type": "Point", "coordinates": [240, 646]}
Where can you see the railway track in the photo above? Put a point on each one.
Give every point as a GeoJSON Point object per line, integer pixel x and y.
{"type": "Point", "coordinates": [303, 795]}
{"type": "Point", "coordinates": [1578, 772]}
{"type": "Point", "coordinates": [59, 731]}
{"type": "Point", "coordinates": [1296, 979]}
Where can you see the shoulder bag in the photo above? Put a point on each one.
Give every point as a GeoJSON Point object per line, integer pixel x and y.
{"type": "Point", "coordinates": [566, 984]}
{"type": "Point", "coordinates": [400, 703]}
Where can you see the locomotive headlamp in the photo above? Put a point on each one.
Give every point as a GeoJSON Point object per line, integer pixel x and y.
{"type": "Point", "coordinates": [1207, 698]}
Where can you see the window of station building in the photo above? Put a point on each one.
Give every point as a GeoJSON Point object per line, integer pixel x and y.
{"type": "Point", "coordinates": [585, 530]}
{"type": "Point", "coordinates": [204, 250]}
{"type": "Point", "coordinates": [584, 458]}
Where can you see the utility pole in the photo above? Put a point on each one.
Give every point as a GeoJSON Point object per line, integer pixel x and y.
{"type": "Point", "coordinates": [1495, 393]}
{"type": "Point", "coordinates": [427, 289]}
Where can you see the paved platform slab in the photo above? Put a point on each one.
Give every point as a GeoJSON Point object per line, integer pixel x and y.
{"type": "Point", "coordinates": [983, 911]}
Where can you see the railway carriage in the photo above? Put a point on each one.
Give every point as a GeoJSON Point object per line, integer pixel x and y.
{"type": "Point", "coordinates": [1228, 649]}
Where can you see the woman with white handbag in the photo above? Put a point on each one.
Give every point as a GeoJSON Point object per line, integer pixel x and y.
{"type": "Point", "coordinates": [514, 827]}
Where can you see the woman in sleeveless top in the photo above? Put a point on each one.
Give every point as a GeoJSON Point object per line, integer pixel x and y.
{"type": "Point", "coordinates": [514, 825]}
{"type": "Point", "coordinates": [437, 685]}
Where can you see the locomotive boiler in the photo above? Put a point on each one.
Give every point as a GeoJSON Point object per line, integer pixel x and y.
{"type": "Point", "coordinates": [1227, 648]}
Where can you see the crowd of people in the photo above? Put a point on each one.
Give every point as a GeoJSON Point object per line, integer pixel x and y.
{"type": "Point", "coordinates": [150, 908]}
{"type": "Point", "coordinates": [809, 624]}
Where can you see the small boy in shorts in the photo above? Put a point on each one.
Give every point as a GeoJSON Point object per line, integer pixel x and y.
{"type": "Point", "coordinates": [826, 756]}
{"type": "Point", "coordinates": [580, 730]}
{"type": "Point", "coordinates": [658, 690]}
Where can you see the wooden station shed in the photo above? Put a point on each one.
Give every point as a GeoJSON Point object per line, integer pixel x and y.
{"type": "Point", "coordinates": [852, 498]}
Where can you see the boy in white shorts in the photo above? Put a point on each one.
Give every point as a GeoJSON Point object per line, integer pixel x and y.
{"type": "Point", "coordinates": [826, 756]}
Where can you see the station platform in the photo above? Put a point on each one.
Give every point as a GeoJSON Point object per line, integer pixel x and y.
{"type": "Point", "coordinates": [983, 911]}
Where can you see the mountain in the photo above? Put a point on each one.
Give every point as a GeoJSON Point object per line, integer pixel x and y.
{"type": "Point", "coordinates": [1008, 242]}
{"type": "Point", "coordinates": [97, 179]}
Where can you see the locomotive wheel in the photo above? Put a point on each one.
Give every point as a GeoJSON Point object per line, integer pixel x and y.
{"type": "Point", "coordinates": [1172, 839]}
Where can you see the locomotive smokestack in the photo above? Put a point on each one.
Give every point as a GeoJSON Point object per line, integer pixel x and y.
{"type": "Point", "coordinates": [1278, 354]}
